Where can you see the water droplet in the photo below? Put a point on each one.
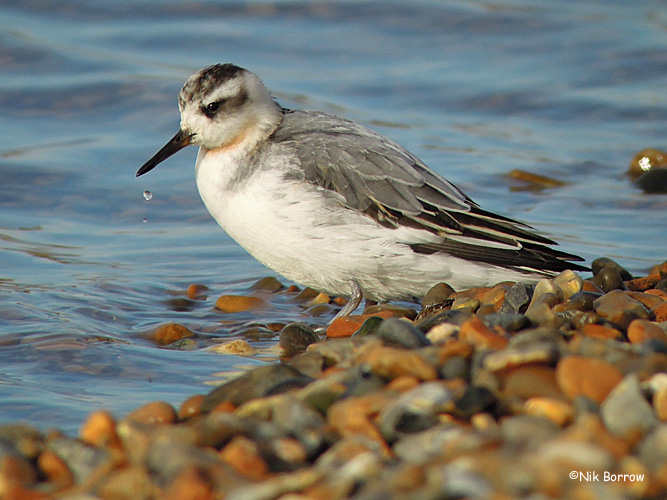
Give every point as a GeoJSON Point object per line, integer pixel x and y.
{"type": "Point", "coordinates": [148, 196]}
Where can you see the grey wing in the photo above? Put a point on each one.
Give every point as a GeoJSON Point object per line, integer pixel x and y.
{"type": "Point", "coordinates": [386, 182]}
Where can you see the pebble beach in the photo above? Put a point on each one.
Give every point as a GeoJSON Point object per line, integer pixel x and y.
{"type": "Point", "coordinates": [554, 390]}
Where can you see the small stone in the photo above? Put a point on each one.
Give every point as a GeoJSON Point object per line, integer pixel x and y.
{"type": "Point", "coordinates": [319, 299]}
{"type": "Point", "coordinates": [625, 411]}
{"type": "Point", "coordinates": [496, 295]}
{"type": "Point", "coordinates": [391, 362]}
{"type": "Point", "coordinates": [581, 301]}
{"type": "Point", "coordinates": [476, 333]}
{"type": "Point", "coordinates": [259, 382]}
{"type": "Point", "coordinates": [509, 322]}
{"type": "Point", "coordinates": [649, 301]}
{"type": "Point", "coordinates": [538, 352]}
{"type": "Point", "coordinates": [569, 282]}
{"type": "Point", "coordinates": [448, 317]}
{"type": "Point", "coordinates": [237, 347]}
{"type": "Point", "coordinates": [197, 292]}
{"type": "Point", "coordinates": [306, 294]}
{"type": "Point", "coordinates": [599, 264]}
{"type": "Point", "coordinates": [601, 332]}
{"type": "Point", "coordinates": [579, 456]}
{"type": "Point", "coordinates": [437, 295]}
{"type": "Point", "coordinates": [646, 160]}
{"type": "Point", "coordinates": [527, 431]}
{"type": "Point", "coordinates": [652, 450]}
{"type": "Point", "coordinates": [660, 404]}
{"type": "Point", "coordinates": [414, 411]}
{"type": "Point", "coordinates": [156, 412]}
{"type": "Point", "coordinates": [608, 279]}
{"type": "Point", "coordinates": [132, 482]}
{"type": "Point", "coordinates": [545, 286]}
{"type": "Point", "coordinates": [347, 449]}
{"type": "Point", "coordinates": [351, 416]}
{"type": "Point", "coordinates": [169, 333]}
{"type": "Point", "coordinates": [618, 308]}
{"type": "Point", "coordinates": [531, 381]}
{"type": "Point", "coordinates": [475, 399]}
{"type": "Point", "coordinates": [244, 456]}
{"type": "Point", "coordinates": [188, 484]}
{"type": "Point", "coordinates": [295, 338]}
{"type": "Point", "coordinates": [369, 327]}
{"type": "Point", "coordinates": [345, 326]}
{"type": "Point", "coordinates": [540, 309]}
{"type": "Point", "coordinates": [64, 456]}
{"type": "Point", "coordinates": [455, 367]}
{"type": "Point", "coordinates": [191, 407]}
{"type": "Point", "coordinates": [653, 181]}
{"type": "Point", "coordinates": [517, 299]}
{"type": "Point", "coordinates": [397, 332]}
{"type": "Point", "coordinates": [439, 334]}
{"type": "Point", "coordinates": [239, 303]}
{"type": "Point", "coordinates": [578, 375]}
{"type": "Point", "coordinates": [641, 330]}
{"type": "Point", "coordinates": [396, 310]}
{"type": "Point", "coordinates": [55, 469]}
{"type": "Point", "coordinates": [283, 454]}
{"type": "Point", "coordinates": [268, 283]}
{"type": "Point", "coordinates": [100, 430]}
{"type": "Point", "coordinates": [558, 411]}
{"type": "Point", "coordinates": [465, 303]}
{"type": "Point", "coordinates": [660, 313]}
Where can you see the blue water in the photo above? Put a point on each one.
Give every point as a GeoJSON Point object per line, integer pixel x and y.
{"type": "Point", "coordinates": [570, 90]}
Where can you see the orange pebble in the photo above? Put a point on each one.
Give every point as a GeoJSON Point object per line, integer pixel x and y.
{"type": "Point", "coordinates": [238, 303]}
{"type": "Point", "coordinates": [578, 375]}
{"type": "Point", "coordinates": [156, 412]}
{"type": "Point", "coordinates": [100, 430]}
{"type": "Point", "coordinates": [345, 326]}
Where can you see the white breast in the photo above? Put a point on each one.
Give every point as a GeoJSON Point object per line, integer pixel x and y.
{"type": "Point", "coordinates": [306, 234]}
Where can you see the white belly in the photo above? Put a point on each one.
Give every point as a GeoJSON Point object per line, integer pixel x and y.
{"type": "Point", "coordinates": [307, 236]}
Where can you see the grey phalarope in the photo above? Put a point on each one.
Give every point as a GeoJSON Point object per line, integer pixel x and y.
{"type": "Point", "coordinates": [335, 206]}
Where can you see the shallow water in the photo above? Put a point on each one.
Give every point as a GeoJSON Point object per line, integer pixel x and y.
{"type": "Point", "coordinates": [570, 90]}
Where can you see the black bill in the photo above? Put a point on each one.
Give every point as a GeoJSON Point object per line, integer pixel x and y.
{"type": "Point", "coordinates": [178, 142]}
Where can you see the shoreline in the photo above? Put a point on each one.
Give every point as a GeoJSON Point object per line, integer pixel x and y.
{"type": "Point", "coordinates": [557, 390]}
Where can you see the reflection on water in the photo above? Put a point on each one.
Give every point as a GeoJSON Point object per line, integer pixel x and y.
{"type": "Point", "coordinates": [533, 109]}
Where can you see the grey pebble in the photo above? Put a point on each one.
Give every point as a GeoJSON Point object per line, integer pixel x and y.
{"type": "Point", "coordinates": [258, 382]}
{"type": "Point", "coordinates": [396, 332]}
{"type": "Point", "coordinates": [295, 337]}
{"type": "Point", "coordinates": [415, 410]}
{"type": "Point", "coordinates": [517, 299]}
{"type": "Point", "coordinates": [625, 409]}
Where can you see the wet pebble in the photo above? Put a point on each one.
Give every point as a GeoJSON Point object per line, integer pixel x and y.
{"type": "Point", "coordinates": [396, 332]}
{"type": "Point", "coordinates": [268, 283]}
{"type": "Point", "coordinates": [239, 303]}
{"type": "Point", "coordinates": [437, 295]}
{"type": "Point", "coordinates": [238, 347]}
{"type": "Point", "coordinates": [608, 279]}
{"type": "Point", "coordinates": [169, 333]}
{"type": "Point", "coordinates": [346, 326]}
{"type": "Point", "coordinates": [295, 337]}
{"type": "Point", "coordinates": [600, 263]}
{"type": "Point", "coordinates": [256, 383]}
{"type": "Point", "coordinates": [620, 309]}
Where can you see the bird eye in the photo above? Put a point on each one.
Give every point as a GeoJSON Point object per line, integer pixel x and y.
{"type": "Point", "coordinates": [212, 107]}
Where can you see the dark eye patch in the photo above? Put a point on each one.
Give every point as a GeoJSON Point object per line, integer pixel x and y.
{"type": "Point", "coordinates": [212, 107]}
